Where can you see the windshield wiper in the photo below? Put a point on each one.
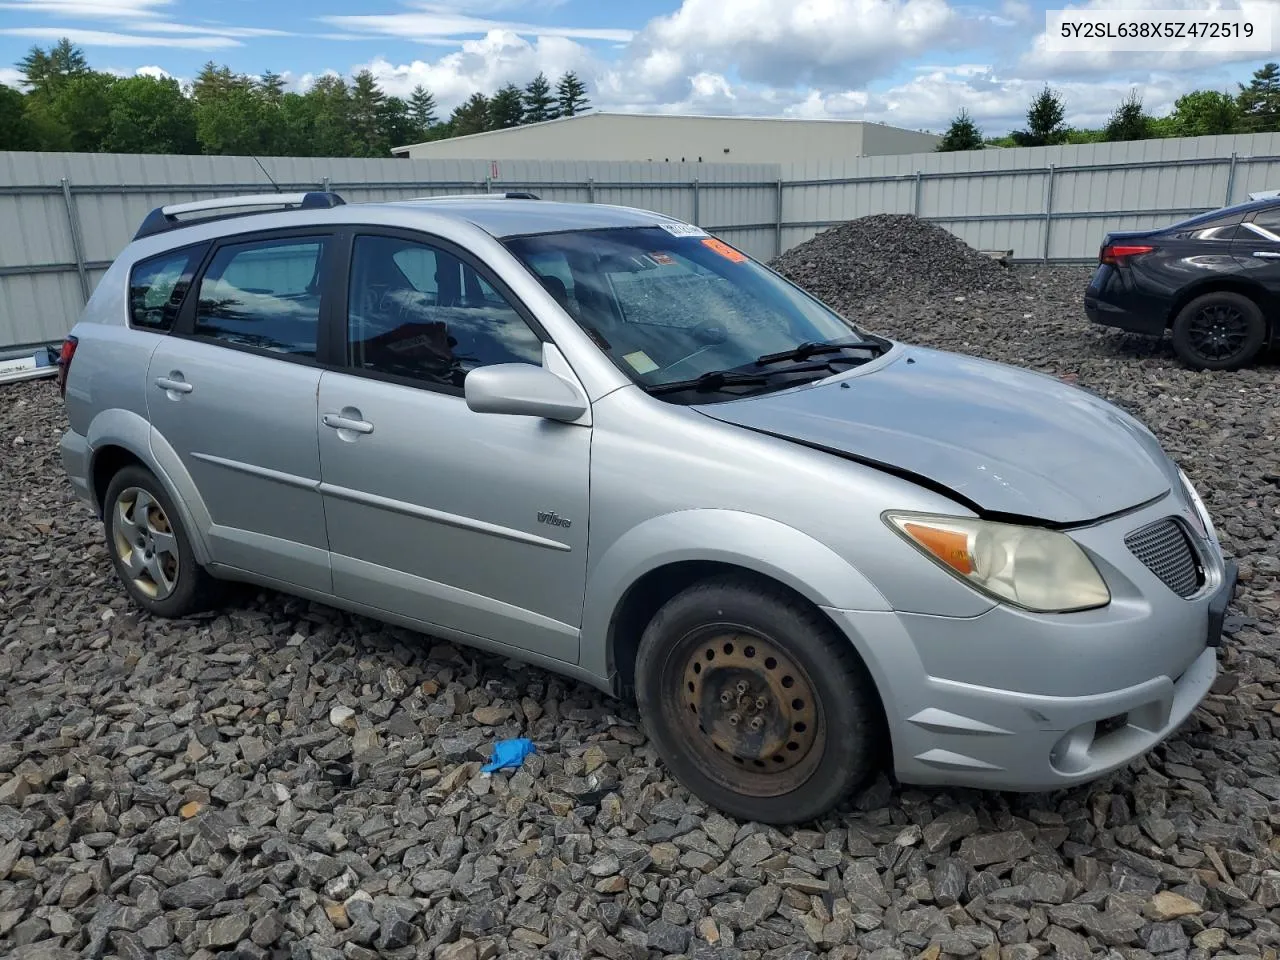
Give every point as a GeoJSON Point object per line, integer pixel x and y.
{"type": "Point", "coordinates": [814, 348]}
{"type": "Point", "coordinates": [719, 379]}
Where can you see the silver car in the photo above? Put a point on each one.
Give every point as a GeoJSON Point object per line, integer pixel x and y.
{"type": "Point", "coordinates": [602, 441]}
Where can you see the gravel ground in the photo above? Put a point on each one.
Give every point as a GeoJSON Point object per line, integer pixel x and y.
{"type": "Point", "coordinates": [286, 780]}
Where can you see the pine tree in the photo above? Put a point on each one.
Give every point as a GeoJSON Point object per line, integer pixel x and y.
{"type": "Point", "coordinates": [272, 86]}
{"type": "Point", "coordinates": [44, 72]}
{"type": "Point", "coordinates": [471, 116]}
{"type": "Point", "coordinates": [1260, 100]}
{"type": "Point", "coordinates": [539, 105]}
{"type": "Point", "coordinates": [1044, 122]}
{"type": "Point", "coordinates": [506, 109]}
{"type": "Point", "coordinates": [572, 95]}
{"type": "Point", "coordinates": [422, 110]}
{"type": "Point", "coordinates": [367, 101]}
{"type": "Point", "coordinates": [1129, 122]}
{"type": "Point", "coordinates": [963, 134]}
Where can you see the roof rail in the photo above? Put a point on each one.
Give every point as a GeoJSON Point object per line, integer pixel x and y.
{"type": "Point", "coordinates": [506, 195]}
{"type": "Point", "coordinates": [166, 218]}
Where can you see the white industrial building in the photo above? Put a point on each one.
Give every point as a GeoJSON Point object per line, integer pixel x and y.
{"type": "Point", "coordinates": [678, 139]}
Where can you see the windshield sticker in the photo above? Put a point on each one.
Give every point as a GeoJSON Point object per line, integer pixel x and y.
{"type": "Point", "coordinates": [722, 248]}
{"type": "Point", "coordinates": [640, 362]}
{"type": "Point", "coordinates": [662, 259]}
{"type": "Point", "coordinates": [677, 229]}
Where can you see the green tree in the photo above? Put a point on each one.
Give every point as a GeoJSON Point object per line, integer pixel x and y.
{"type": "Point", "coordinates": [1044, 121]}
{"type": "Point", "coordinates": [233, 122]}
{"type": "Point", "coordinates": [1260, 101]}
{"type": "Point", "coordinates": [571, 94]}
{"type": "Point", "coordinates": [395, 126]}
{"type": "Point", "coordinates": [213, 81]}
{"type": "Point", "coordinates": [539, 105]}
{"type": "Point", "coordinates": [367, 101]}
{"type": "Point", "coordinates": [963, 134]}
{"type": "Point", "coordinates": [506, 109]}
{"type": "Point", "coordinates": [422, 110]}
{"type": "Point", "coordinates": [330, 103]}
{"type": "Point", "coordinates": [149, 115]}
{"type": "Point", "coordinates": [1128, 121]}
{"type": "Point", "coordinates": [44, 72]}
{"type": "Point", "coordinates": [272, 86]}
{"type": "Point", "coordinates": [471, 116]}
{"type": "Point", "coordinates": [80, 106]}
{"type": "Point", "coordinates": [16, 132]}
{"type": "Point", "coordinates": [1204, 113]}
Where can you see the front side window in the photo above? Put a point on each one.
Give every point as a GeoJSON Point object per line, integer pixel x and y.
{"type": "Point", "coordinates": [418, 312]}
{"type": "Point", "coordinates": [157, 286]}
{"type": "Point", "coordinates": [263, 294]}
{"type": "Point", "coordinates": [672, 310]}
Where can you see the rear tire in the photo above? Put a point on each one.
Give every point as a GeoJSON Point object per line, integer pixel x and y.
{"type": "Point", "coordinates": [150, 548]}
{"type": "Point", "coordinates": [755, 703]}
{"type": "Point", "coordinates": [1222, 330]}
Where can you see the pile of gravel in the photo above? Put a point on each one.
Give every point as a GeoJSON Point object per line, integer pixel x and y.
{"type": "Point", "coordinates": [285, 780]}
{"type": "Point", "coordinates": [891, 255]}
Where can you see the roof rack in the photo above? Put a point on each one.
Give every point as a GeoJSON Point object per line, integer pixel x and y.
{"type": "Point", "coordinates": [506, 195]}
{"type": "Point", "coordinates": [166, 218]}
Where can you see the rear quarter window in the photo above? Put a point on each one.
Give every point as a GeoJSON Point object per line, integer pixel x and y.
{"type": "Point", "coordinates": [158, 285]}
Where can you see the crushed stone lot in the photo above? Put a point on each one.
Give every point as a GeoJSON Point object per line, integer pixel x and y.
{"type": "Point", "coordinates": [285, 780]}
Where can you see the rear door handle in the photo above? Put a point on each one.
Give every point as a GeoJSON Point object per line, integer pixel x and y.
{"type": "Point", "coordinates": [346, 423]}
{"type": "Point", "coordinates": [176, 386]}
{"type": "Point", "coordinates": [1267, 254]}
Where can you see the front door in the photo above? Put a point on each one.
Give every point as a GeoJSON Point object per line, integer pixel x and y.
{"type": "Point", "coordinates": [233, 392]}
{"type": "Point", "coordinates": [474, 522]}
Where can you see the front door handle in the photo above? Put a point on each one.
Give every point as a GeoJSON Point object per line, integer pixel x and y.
{"type": "Point", "coordinates": [172, 385]}
{"type": "Point", "coordinates": [346, 423]}
{"type": "Point", "coordinates": [1267, 254]}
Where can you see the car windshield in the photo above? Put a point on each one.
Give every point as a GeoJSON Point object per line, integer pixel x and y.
{"type": "Point", "coordinates": [673, 310]}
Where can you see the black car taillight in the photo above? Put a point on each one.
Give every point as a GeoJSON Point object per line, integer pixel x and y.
{"type": "Point", "coordinates": [65, 356]}
{"type": "Point", "coordinates": [1113, 253]}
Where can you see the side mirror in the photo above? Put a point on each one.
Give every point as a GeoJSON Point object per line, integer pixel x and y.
{"type": "Point", "coordinates": [522, 389]}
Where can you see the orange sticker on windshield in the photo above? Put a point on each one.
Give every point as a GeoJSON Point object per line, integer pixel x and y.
{"type": "Point", "coordinates": [722, 248]}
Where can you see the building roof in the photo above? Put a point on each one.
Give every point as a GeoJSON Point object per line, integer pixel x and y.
{"type": "Point", "coordinates": [650, 116]}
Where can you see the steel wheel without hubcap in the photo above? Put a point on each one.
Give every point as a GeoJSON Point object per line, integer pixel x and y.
{"type": "Point", "coordinates": [750, 711]}
{"type": "Point", "coordinates": [145, 543]}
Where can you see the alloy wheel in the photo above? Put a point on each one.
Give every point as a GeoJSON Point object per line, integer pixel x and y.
{"type": "Point", "coordinates": [1218, 331]}
{"type": "Point", "coordinates": [144, 542]}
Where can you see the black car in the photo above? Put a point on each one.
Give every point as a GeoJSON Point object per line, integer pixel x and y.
{"type": "Point", "coordinates": [1212, 280]}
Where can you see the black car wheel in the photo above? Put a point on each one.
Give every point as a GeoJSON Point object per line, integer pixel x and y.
{"type": "Point", "coordinates": [149, 547]}
{"type": "Point", "coordinates": [755, 703]}
{"type": "Point", "coordinates": [1219, 331]}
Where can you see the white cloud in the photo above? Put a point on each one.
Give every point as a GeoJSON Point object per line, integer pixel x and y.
{"type": "Point", "coordinates": [427, 20]}
{"type": "Point", "coordinates": [482, 66]}
{"type": "Point", "coordinates": [103, 38]}
{"type": "Point", "coordinates": [212, 29]}
{"type": "Point", "coordinates": [156, 73]}
{"type": "Point", "coordinates": [95, 9]}
{"type": "Point", "coordinates": [784, 42]}
{"type": "Point", "coordinates": [11, 77]}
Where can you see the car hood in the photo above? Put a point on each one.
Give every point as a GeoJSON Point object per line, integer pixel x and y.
{"type": "Point", "coordinates": [1007, 440]}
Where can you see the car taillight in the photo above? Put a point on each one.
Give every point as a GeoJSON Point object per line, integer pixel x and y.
{"type": "Point", "coordinates": [1113, 253]}
{"type": "Point", "coordinates": [65, 356]}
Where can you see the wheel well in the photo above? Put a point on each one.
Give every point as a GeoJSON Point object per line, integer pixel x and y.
{"type": "Point", "coordinates": [1265, 301]}
{"type": "Point", "coordinates": [107, 462]}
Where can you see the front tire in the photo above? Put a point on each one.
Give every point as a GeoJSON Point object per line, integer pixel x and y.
{"type": "Point", "coordinates": [150, 547]}
{"type": "Point", "coordinates": [756, 703]}
{"type": "Point", "coordinates": [1219, 331]}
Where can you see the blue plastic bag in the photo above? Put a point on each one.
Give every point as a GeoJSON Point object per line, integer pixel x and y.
{"type": "Point", "coordinates": [508, 753]}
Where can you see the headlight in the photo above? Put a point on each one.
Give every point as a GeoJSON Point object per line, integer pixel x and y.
{"type": "Point", "coordinates": [1198, 508]}
{"type": "Point", "coordinates": [1030, 567]}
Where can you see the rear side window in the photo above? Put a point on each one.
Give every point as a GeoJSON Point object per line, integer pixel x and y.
{"type": "Point", "coordinates": [264, 295]}
{"type": "Point", "coordinates": [158, 285]}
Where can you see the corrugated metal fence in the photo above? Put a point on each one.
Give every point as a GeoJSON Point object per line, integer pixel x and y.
{"type": "Point", "coordinates": [63, 217]}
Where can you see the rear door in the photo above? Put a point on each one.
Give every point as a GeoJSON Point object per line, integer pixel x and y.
{"type": "Point", "coordinates": [474, 522]}
{"type": "Point", "coordinates": [1256, 248]}
{"type": "Point", "coordinates": [232, 392]}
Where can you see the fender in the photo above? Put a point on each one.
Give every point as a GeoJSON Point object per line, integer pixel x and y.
{"type": "Point", "coordinates": [129, 431]}
{"type": "Point", "coordinates": [746, 540]}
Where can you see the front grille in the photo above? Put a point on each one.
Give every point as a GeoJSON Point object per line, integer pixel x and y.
{"type": "Point", "coordinates": [1164, 549]}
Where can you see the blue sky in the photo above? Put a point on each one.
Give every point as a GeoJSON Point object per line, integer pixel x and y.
{"type": "Point", "coordinates": [912, 63]}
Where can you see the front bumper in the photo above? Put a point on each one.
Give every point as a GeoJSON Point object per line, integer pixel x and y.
{"type": "Point", "coordinates": [1014, 701]}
